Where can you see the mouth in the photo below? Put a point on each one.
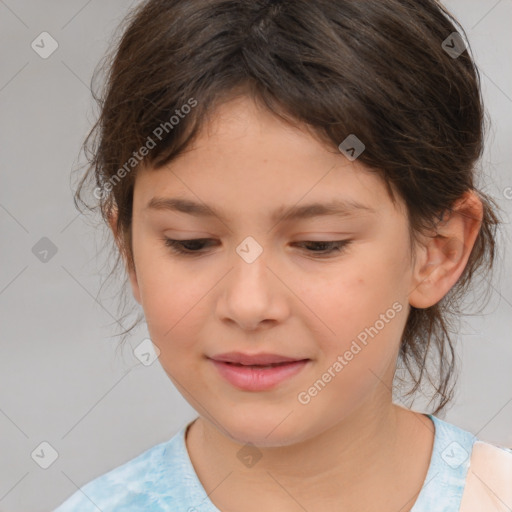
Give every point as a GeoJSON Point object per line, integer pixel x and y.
{"type": "Point", "coordinates": [259, 377]}
{"type": "Point", "coordinates": [262, 367]}
{"type": "Point", "coordinates": [256, 360]}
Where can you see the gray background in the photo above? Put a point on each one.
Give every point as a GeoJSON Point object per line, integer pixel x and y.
{"type": "Point", "coordinates": [61, 379]}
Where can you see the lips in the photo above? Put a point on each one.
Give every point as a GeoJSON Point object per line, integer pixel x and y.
{"type": "Point", "coordinates": [256, 360]}
{"type": "Point", "coordinates": [259, 378]}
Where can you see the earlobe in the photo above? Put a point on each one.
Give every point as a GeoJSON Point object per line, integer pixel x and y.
{"type": "Point", "coordinates": [131, 271]}
{"type": "Point", "coordinates": [135, 285]}
{"type": "Point", "coordinates": [445, 254]}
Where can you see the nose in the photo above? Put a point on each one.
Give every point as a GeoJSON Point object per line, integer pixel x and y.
{"type": "Point", "coordinates": [253, 295]}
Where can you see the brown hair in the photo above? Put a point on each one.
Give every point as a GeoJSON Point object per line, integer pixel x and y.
{"type": "Point", "coordinates": [376, 68]}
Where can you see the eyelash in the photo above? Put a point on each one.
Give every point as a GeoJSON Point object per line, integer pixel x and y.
{"type": "Point", "coordinates": [177, 246]}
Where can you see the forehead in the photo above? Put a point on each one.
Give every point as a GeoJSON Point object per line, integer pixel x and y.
{"type": "Point", "coordinates": [248, 159]}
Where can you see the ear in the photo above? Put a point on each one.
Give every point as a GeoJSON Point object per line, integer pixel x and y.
{"type": "Point", "coordinates": [129, 269]}
{"type": "Point", "coordinates": [442, 257]}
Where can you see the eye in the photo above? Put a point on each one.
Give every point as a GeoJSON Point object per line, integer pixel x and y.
{"type": "Point", "coordinates": [193, 247]}
{"type": "Point", "coordinates": [326, 247]}
{"type": "Point", "coordinates": [183, 246]}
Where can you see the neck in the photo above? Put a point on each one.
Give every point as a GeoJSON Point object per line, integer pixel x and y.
{"type": "Point", "coordinates": [364, 451]}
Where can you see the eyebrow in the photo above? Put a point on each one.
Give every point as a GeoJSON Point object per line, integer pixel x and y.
{"type": "Point", "coordinates": [338, 207]}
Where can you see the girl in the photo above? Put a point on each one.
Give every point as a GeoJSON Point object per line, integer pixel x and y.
{"type": "Point", "coordinates": [291, 187]}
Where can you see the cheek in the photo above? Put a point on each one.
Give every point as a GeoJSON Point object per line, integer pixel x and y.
{"type": "Point", "coordinates": [358, 311]}
{"type": "Point", "coordinates": [170, 296]}
{"type": "Point", "coordinates": [170, 306]}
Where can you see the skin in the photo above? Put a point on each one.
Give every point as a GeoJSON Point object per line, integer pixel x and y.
{"type": "Point", "coordinates": [350, 437]}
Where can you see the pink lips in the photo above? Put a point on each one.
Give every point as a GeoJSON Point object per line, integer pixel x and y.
{"type": "Point", "coordinates": [256, 372]}
{"type": "Point", "coordinates": [253, 359]}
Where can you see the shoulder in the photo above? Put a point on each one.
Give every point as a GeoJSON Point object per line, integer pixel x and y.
{"type": "Point", "coordinates": [466, 474]}
{"type": "Point", "coordinates": [489, 480]}
{"type": "Point", "coordinates": [142, 483]}
{"type": "Point", "coordinates": [481, 472]}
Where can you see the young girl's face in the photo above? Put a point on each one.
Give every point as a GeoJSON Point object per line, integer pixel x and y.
{"type": "Point", "coordinates": [344, 311]}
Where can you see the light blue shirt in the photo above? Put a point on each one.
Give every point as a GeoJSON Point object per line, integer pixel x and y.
{"type": "Point", "coordinates": [162, 479]}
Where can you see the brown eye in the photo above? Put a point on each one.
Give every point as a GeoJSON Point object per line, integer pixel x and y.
{"type": "Point", "coordinates": [324, 247]}
{"type": "Point", "coordinates": [194, 247]}
{"type": "Point", "coordinates": [187, 247]}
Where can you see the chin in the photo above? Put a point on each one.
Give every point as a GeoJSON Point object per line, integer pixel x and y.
{"type": "Point", "coordinates": [265, 432]}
